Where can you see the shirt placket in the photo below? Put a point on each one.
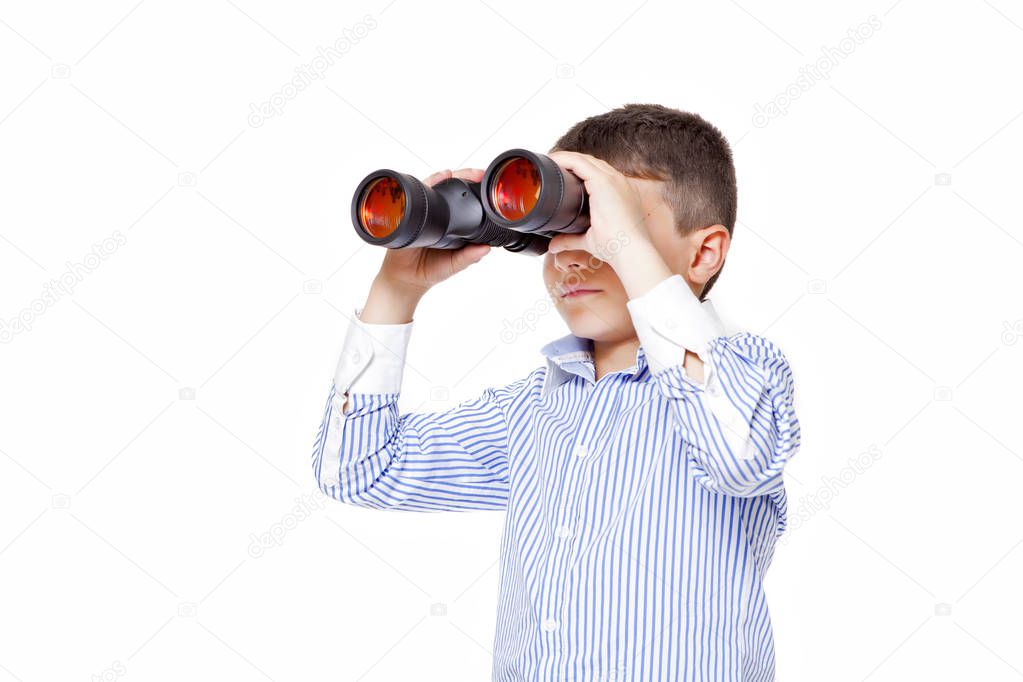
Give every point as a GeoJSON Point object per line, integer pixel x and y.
{"type": "Point", "coordinates": [565, 524]}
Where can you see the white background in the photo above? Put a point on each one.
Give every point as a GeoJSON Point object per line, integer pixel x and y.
{"type": "Point", "coordinates": [159, 416]}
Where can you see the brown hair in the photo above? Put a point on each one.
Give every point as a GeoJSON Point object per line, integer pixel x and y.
{"type": "Point", "coordinates": [681, 148]}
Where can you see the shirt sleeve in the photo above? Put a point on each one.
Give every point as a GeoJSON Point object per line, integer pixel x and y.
{"type": "Point", "coordinates": [739, 424]}
{"type": "Point", "coordinates": [372, 357]}
{"type": "Point", "coordinates": [373, 456]}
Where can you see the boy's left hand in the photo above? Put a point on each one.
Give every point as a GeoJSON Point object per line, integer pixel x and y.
{"type": "Point", "coordinates": [616, 211]}
{"type": "Point", "coordinates": [617, 234]}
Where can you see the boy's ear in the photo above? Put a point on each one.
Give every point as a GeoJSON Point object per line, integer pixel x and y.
{"type": "Point", "coordinates": [709, 248]}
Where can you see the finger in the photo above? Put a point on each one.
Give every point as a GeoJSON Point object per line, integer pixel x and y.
{"type": "Point", "coordinates": [566, 154]}
{"type": "Point", "coordinates": [468, 254]}
{"type": "Point", "coordinates": [601, 163]}
{"type": "Point", "coordinates": [470, 174]}
{"type": "Point", "coordinates": [431, 180]}
{"type": "Point", "coordinates": [581, 165]}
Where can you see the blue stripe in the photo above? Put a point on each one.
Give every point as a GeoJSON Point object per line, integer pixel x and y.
{"type": "Point", "coordinates": [668, 531]}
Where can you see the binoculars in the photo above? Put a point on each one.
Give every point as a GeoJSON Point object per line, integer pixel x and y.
{"type": "Point", "coordinates": [523, 200]}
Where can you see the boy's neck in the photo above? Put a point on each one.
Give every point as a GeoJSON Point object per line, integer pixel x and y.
{"type": "Point", "coordinates": [612, 356]}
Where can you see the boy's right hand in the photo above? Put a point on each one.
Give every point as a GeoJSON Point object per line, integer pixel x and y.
{"type": "Point", "coordinates": [421, 268]}
{"type": "Point", "coordinates": [406, 274]}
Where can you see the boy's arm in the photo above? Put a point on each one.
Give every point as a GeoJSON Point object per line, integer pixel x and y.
{"type": "Point", "coordinates": [366, 453]}
{"type": "Point", "coordinates": [369, 455]}
{"type": "Point", "coordinates": [739, 421]}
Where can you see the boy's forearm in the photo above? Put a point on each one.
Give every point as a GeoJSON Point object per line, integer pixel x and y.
{"type": "Point", "coordinates": [694, 366]}
{"type": "Point", "coordinates": [389, 303]}
{"type": "Point", "coordinates": [640, 268]}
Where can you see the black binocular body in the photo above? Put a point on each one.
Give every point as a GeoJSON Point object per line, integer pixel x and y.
{"type": "Point", "coordinates": [523, 200]}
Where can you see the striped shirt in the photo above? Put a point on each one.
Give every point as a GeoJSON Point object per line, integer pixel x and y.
{"type": "Point", "coordinates": [641, 508]}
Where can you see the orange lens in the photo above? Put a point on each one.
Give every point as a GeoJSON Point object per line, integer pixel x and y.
{"type": "Point", "coordinates": [382, 207]}
{"type": "Point", "coordinates": [515, 188]}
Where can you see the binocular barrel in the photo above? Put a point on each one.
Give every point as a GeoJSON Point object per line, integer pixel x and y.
{"type": "Point", "coordinates": [398, 211]}
{"type": "Point", "coordinates": [528, 192]}
{"type": "Point", "coordinates": [523, 200]}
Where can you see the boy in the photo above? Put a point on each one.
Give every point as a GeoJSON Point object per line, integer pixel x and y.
{"type": "Point", "coordinates": [640, 466]}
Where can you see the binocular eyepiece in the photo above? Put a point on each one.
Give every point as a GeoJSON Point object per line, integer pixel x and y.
{"type": "Point", "coordinates": [523, 200]}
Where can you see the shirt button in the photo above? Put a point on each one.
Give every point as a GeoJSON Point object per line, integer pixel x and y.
{"type": "Point", "coordinates": [581, 450]}
{"type": "Point", "coordinates": [550, 625]}
{"type": "Point", "coordinates": [563, 532]}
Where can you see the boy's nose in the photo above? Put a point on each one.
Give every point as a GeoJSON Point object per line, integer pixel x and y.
{"type": "Point", "coordinates": [574, 259]}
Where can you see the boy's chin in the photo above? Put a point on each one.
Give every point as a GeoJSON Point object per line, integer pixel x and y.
{"type": "Point", "coordinates": [586, 325]}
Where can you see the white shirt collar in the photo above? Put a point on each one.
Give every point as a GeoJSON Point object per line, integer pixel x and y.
{"type": "Point", "coordinates": [570, 355]}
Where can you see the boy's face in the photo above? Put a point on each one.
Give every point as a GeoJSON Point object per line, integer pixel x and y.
{"type": "Point", "coordinates": [601, 313]}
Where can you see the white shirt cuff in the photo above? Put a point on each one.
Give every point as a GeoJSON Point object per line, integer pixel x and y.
{"type": "Point", "coordinates": [669, 319]}
{"type": "Point", "coordinates": [372, 357]}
